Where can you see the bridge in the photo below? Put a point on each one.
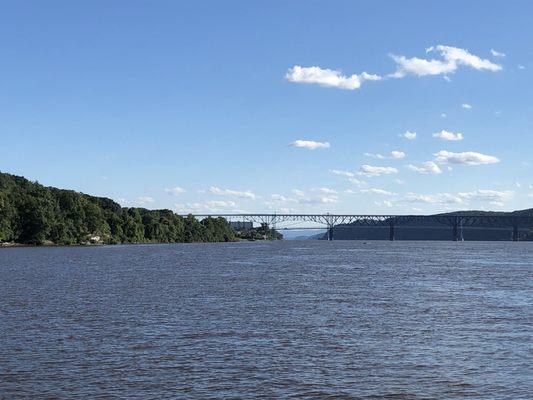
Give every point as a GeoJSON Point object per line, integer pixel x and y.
{"type": "Point", "coordinates": [455, 221]}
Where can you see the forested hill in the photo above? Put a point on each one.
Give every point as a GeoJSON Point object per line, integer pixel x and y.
{"type": "Point", "coordinates": [31, 213]}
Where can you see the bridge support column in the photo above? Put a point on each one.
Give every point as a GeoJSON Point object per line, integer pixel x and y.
{"type": "Point", "coordinates": [391, 233]}
{"type": "Point", "coordinates": [455, 229]}
{"type": "Point", "coordinates": [516, 235]}
{"type": "Point", "coordinates": [330, 233]}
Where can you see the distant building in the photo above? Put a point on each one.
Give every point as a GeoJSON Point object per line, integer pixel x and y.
{"type": "Point", "coordinates": [241, 225]}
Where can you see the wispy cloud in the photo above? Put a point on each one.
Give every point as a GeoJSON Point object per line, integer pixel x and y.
{"type": "Point", "coordinates": [211, 206]}
{"type": "Point", "coordinates": [144, 200]}
{"type": "Point", "coordinates": [328, 77]}
{"type": "Point", "coordinates": [451, 59]}
{"type": "Point", "coordinates": [429, 167]}
{"type": "Point", "coordinates": [310, 144]}
{"type": "Point", "coordinates": [466, 158]}
{"type": "Point", "coordinates": [380, 192]}
{"type": "Point", "coordinates": [229, 192]}
{"type": "Point", "coordinates": [493, 197]}
{"type": "Point", "coordinates": [466, 106]}
{"type": "Point", "coordinates": [175, 191]}
{"type": "Point", "coordinates": [370, 170]}
{"type": "Point", "coordinates": [346, 174]}
{"type": "Point", "coordinates": [327, 190]}
{"type": "Point", "coordinates": [396, 155]}
{"type": "Point", "coordinates": [497, 53]}
{"type": "Point", "coordinates": [408, 135]}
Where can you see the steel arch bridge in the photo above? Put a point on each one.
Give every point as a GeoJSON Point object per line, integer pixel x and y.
{"type": "Point", "coordinates": [455, 221]}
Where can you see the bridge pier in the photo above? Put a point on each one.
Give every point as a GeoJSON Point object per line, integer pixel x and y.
{"type": "Point", "coordinates": [391, 232]}
{"type": "Point", "coordinates": [330, 233]}
{"type": "Point", "coordinates": [516, 235]}
{"type": "Point", "coordinates": [455, 229]}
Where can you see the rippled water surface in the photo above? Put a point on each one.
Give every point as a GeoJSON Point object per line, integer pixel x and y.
{"type": "Point", "coordinates": [306, 319]}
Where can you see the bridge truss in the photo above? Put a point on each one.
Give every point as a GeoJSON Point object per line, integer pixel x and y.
{"type": "Point", "coordinates": [328, 221]}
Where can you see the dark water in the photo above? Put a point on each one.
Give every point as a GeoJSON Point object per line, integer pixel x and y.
{"type": "Point", "coordinates": [309, 319]}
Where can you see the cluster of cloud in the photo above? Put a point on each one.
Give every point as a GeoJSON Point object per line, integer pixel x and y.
{"type": "Point", "coordinates": [451, 58]}
{"type": "Point", "coordinates": [310, 144]}
{"type": "Point", "coordinates": [443, 157]}
{"type": "Point", "coordinates": [494, 197]}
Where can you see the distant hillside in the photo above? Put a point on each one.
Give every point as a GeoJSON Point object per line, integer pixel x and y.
{"type": "Point", "coordinates": [428, 230]}
{"type": "Point", "coordinates": [31, 213]}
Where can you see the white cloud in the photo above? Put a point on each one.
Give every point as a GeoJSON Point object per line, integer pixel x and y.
{"type": "Point", "coordinates": [396, 155]}
{"type": "Point", "coordinates": [429, 167]}
{"type": "Point", "coordinates": [452, 59]}
{"type": "Point", "coordinates": [466, 158]}
{"type": "Point", "coordinates": [310, 144]}
{"type": "Point", "coordinates": [408, 135]}
{"type": "Point", "coordinates": [369, 170]}
{"type": "Point", "coordinates": [228, 192]}
{"type": "Point", "coordinates": [346, 174]}
{"type": "Point", "coordinates": [466, 106]}
{"type": "Point", "coordinates": [175, 191]}
{"type": "Point", "coordinates": [520, 66]}
{"type": "Point", "coordinates": [530, 195]}
{"type": "Point", "coordinates": [449, 136]}
{"type": "Point", "coordinates": [328, 77]}
{"type": "Point", "coordinates": [497, 53]}
{"type": "Point", "coordinates": [443, 115]}
{"type": "Point", "coordinates": [380, 192]}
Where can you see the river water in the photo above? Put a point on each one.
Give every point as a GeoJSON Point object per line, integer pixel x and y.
{"type": "Point", "coordinates": [293, 319]}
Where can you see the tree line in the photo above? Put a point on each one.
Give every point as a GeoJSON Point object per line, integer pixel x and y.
{"type": "Point", "coordinates": [31, 213]}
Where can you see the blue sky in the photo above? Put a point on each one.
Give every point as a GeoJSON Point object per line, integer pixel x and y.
{"type": "Point", "coordinates": [212, 106]}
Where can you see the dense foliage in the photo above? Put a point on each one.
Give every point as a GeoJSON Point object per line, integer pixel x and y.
{"type": "Point", "coordinates": [31, 213]}
{"type": "Point", "coordinates": [262, 232]}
